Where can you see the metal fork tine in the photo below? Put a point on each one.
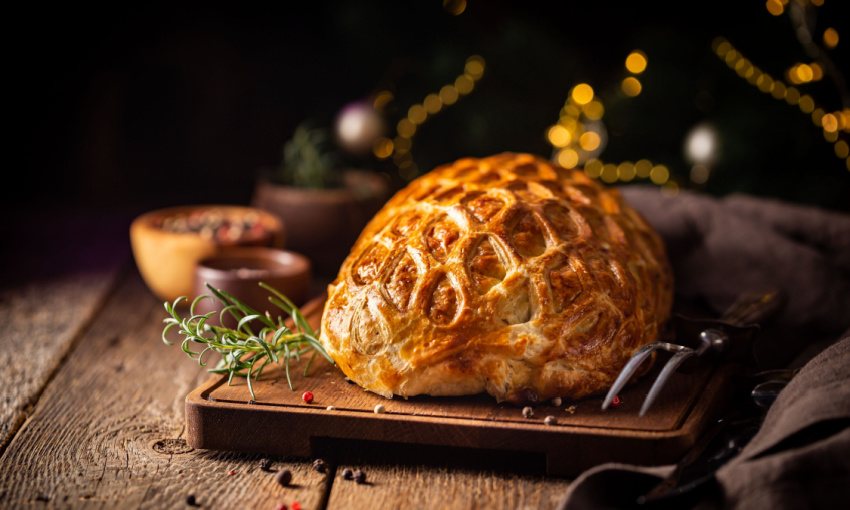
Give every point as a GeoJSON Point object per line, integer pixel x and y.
{"type": "Point", "coordinates": [629, 370]}
{"type": "Point", "coordinates": [671, 366]}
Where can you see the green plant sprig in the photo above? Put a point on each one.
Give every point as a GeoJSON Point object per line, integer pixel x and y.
{"type": "Point", "coordinates": [244, 353]}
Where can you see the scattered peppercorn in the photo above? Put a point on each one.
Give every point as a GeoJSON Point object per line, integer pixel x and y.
{"type": "Point", "coordinates": [266, 464]}
{"type": "Point", "coordinates": [251, 402]}
{"type": "Point", "coordinates": [319, 465]}
{"type": "Point", "coordinates": [616, 401]}
{"type": "Point", "coordinates": [550, 420]}
{"type": "Point", "coordinates": [307, 396]}
{"type": "Point", "coordinates": [283, 477]}
{"type": "Point", "coordinates": [347, 474]}
{"type": "Point", "coordinates": [190, 500]}
{"type": "Point", "coordinates": [282, 506]}
{"type": "Point", "coordinates": [296, 505]}
{"type": "Point", "coordinates": [380, 409]}
{"type": "Point", "coordinates": [232, 473]}
{"type": "Point", "coordinates": [331, 408]}
{"type": "Point", "coordinates": [527, 412]}
{"type": "Point", "coordinates": [359, 476]}
{"type": "Point", "coordinates": [556, 401]}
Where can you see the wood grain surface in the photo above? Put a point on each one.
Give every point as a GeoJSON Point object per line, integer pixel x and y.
{"type": "Point", "coordinates": [107, 431]}
{"type": "Point", "coordinates": [54, 278]}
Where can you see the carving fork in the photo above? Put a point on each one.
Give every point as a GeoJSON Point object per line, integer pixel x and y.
{"type": "Point", "coordinates": [732, 335]}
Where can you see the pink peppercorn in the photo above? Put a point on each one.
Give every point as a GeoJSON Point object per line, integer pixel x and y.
{"type": "Point", "coordinates": [307, 396]}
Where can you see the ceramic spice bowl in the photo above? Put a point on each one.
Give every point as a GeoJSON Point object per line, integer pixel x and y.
{"type": "Point", "coordinates": [240, 271]}
{"type": "Point", "coordinates": [168, 243]}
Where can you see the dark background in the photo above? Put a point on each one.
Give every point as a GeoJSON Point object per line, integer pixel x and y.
{"type": "Point", "coordinates": [159, 104]}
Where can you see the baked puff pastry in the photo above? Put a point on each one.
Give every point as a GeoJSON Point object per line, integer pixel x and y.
{"type": "Point", "coordinates": [505, 274]}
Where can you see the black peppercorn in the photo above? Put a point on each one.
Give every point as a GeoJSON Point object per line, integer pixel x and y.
{"type": "Point", "coordinates": [266, 464]}
{"type": "Point", "coordinates": [283, 477]}
{"type": "Point", "coordinates": [347, 474]}
{"type": "Point", "coordinates": [359, 476]}
{"type": "Point", "coordinates": [319, 465]}
{"type": "Point", "coordinates": [190, 500]}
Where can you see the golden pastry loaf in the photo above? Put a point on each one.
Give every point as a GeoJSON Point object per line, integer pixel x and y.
{"type": "Point", "coordinates": [505, 274]}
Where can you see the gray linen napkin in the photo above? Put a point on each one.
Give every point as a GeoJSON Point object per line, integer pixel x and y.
{"type": "Point", "coordinates": [800, 457]}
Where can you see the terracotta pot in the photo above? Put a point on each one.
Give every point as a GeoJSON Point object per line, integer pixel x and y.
{"type": "Point", "coordinates": [324, 223]}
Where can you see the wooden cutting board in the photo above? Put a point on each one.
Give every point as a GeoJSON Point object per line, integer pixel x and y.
{"type": "Point", "coordinates": [224, 417]}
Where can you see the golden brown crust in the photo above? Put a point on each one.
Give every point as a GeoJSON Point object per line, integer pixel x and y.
{"type": "Point", "coordinates": [505, 274]}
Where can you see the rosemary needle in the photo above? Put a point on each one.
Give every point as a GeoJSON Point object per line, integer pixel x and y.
{"type": "Point", "coordinates": [243, 352]}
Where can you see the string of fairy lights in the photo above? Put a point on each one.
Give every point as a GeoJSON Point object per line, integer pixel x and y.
{"type": "Point", "coordinates": [579, 136]}
{"type": "Point", "coordinates": [399, 148]}
{"type": "Point", "coordinates": [832, 123]}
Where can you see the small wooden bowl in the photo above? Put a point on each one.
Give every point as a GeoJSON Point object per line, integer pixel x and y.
{"type": "Point", "coordinates": [239, 272]}
{"type": "Point", "coordinates": [168, 243]}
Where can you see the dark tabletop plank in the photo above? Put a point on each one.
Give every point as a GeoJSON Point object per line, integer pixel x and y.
{"type": "Point", "coordinates": [107, 431]}
{"type": "Point", "coordinates": [412, 486]}
{"type": "Point", "coordinates": [39, 322]}
{"type": "Point", "coordinates": [56, 269]}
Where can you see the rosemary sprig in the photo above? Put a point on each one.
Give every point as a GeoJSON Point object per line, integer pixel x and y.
{"type": "Point", "coordinates": [244, 353]}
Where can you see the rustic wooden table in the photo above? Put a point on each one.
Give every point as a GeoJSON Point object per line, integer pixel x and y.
{"type": "Point", "coordinates": [93, 403]}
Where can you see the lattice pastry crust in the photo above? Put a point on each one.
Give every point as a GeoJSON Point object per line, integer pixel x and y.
{"type": "Point", "coordinates": [505, 274]}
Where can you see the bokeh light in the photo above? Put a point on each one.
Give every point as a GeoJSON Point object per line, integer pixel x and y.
{"type": "Point", "coordinates": [582, 93]}
{"type": "Point", "coordinates": [626, 171]}
{"type": "Point", "coordinates": [792, 95]}
{"type": "Point", "coordinates": [806, 104]}
{"type": "Point", "coordinates": [594, 110]}
{"type": "Point", "coordinates": [765, 83]}
{"type": "Point", "coordinates": [589, 141]}
{"type": "Point", "coordinates": [559, 136]}
{"type": "Point", "coordinates": [642, 168]}
{"type": "Point", "coordinates": [636, 62]}
{"type": "Point", "coordinates": [567, 158]}
{"type": "Point", "coordinates": [405, 128]}
{"type": "Point", "coordinates": [775, 7]}
{"type": "Point", "coordinates": [417, 114]}
{"type": "Point", "coordinates": [382, 148]}
{"type": "Point", "coordinates": [631, 86]}
{"type": "Point", "coordinates": [659, 174]}
{"type": "Point", "coordinates": [454, 7]}
{"type": "Point", "coordinates": [593, 168]}
{"type": "Point", "coordinates": [474, 67]}
{"type": "Point", "coordinates": [830, 38]}
{"type": "Point", "coordinates": [432, 104]}
{"type": "Point", "coordinates": [701, 144]}
{"type": "Point", "coordinates": [608, 173]}
{"type": "Point", "coordinates": [448, 95]}
{"type": "Point", "coordinates": [829, 123]}
{"type": "Point", "coordinates": [464, 84]}
{"type": "Point", "coordinates": [778, 90]}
